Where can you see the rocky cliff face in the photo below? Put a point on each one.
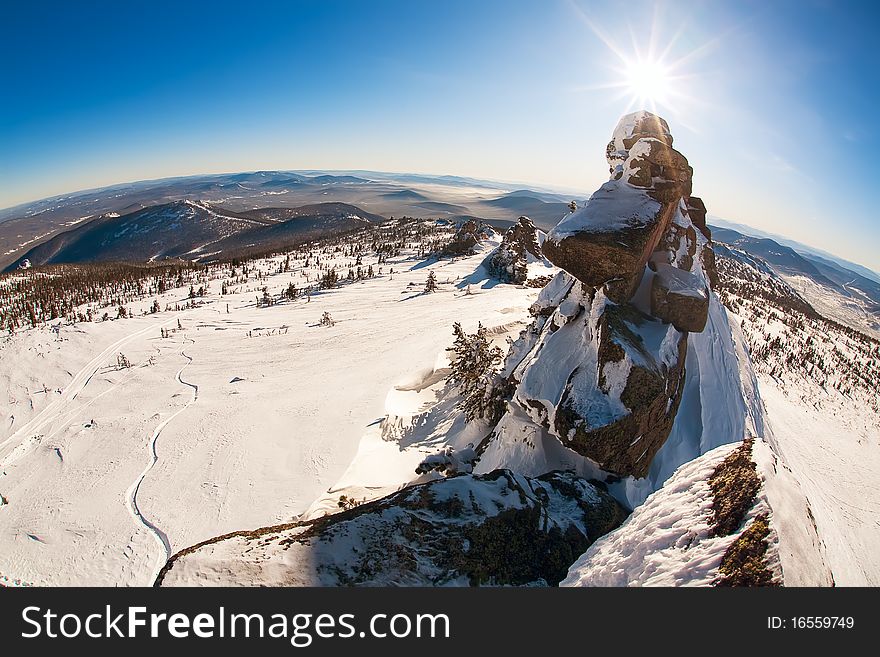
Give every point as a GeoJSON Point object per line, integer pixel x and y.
{"type": "Point", "coordinates": [602, 367]}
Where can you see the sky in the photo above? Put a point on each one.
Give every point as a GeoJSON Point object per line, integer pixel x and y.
{"type": "Point", "coordinates": [773, 103]}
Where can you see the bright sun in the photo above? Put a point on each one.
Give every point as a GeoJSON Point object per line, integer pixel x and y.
{"type": "Point", "coordinates": [648, 82]}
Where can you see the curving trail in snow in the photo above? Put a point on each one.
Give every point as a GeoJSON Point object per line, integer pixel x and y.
{"type": "Point", "coordinates": [131, 494]}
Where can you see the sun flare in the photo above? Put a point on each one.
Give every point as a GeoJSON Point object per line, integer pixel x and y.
{"type": "Point", "coordinates": [648, 81]}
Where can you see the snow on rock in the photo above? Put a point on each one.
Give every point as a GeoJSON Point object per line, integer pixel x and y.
{"type": "Point", "coordinates": [610, 238]}
{"type": "Point", "coordinates": [629, 130]}
{"type": "Point", "coordinates": [600, 383]}
{"type": "Point", "coordinates": [680, 298]}
{"type": "Point", "coordinates": [720, 403]}
{"type": "Point", "coordinates": [467, 236]}
{"type": "Point", "coordinates": [498, 528]}
{"type": "Point", "coordinates": [665, 541]}
{"type": "Point", "coordinates": [675, 539]}
{"type": "Point", "coordinates": [519, 258]}
{"type": "Point", "coordinates": [449, 461]}
{"type": "Point", "coordinates": [552, 294]}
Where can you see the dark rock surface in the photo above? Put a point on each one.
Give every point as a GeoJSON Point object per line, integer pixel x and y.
{"type": "Point", "coordinates": [494, 529]}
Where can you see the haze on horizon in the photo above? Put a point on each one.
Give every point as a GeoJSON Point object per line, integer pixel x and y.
{"type": "Point", "coordinates": [768, 101]}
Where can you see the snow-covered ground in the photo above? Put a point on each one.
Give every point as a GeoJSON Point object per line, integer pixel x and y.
{"type": "Point", "coordinates": [246, 415]}
{"type": "Point", "coordinates": [837, 468]}
{"type": "Point", "coordinates": [237, 420]}
{"type": "Point", "coordinates": [818, 381]}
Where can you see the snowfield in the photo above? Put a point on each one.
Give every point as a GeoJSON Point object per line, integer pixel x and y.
{"type": "Point", "coordinates": [282, 404]}
{"type": "Point", "coordinates": [237, 413]}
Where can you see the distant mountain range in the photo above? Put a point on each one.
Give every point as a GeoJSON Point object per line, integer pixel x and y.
{"type": "Point", "coordinates": [805, 249]}
{"type": "Point", "coordinates": [205, 217]}
{"type": "Point", "coordinates": [810, 274]}
{"type": "Point", "coordinates": [225, 212]}
{"type": "Point", "coordinates": [194, 231]}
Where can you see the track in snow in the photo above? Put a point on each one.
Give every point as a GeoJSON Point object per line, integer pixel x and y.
{"type": "Point", "coordinates": [131, 493]}
{"type": "Point", "coordinates": [54, 410]}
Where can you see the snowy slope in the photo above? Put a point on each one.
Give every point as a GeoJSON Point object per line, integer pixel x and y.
{"type": "Point", "coordinates": [276, 421]}
{"type": "Point", "coordinates": [818, 380]}
{"type": "Point", "coordinates": [668, 541]}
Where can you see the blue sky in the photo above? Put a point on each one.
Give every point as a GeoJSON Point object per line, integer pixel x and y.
{"type": "Point", "coordinates": [772, 102]}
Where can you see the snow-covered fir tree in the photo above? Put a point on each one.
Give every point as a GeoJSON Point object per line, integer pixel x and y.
{"type": "Point", "coordinates": [473, 362]}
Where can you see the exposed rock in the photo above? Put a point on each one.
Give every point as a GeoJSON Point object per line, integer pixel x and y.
{"type": "Point", "coordinates": [610, 239]}
{"type": "Point", "coordinates": [707, 257]}
{"type": "Point", "coordinates": [697, 212]}
{"type": "Point", "coordinates": [519, 246]}
{"type": "Point", "coordinates": [468, 235]}
{"type": "Point", "coordinates": [668, 540]}
{"type": "Point", "coordinates": [640, 372]}
{"type": "Point", "coordinates": [629, 130]}
{"type": "Point", "coordinates": [654, 165]}
{"type": "Point", "coordinates": [552, 294]}
{"type": "Point", "coordinates": [499, 528]}
{"type": "Point", "coordinates": [678, 245]}
{"type": "Point", "coordinates": [594, 370]}
{"type": "Point", "coordinates": [679, 298]}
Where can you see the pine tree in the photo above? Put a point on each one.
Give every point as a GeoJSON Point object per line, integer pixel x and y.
{"type": "Point", "coordinates": [431, 283]}
{"type": "Point", "coordinates": [329, 280]}
{"type": "Point", "coordinates": [473, 370]}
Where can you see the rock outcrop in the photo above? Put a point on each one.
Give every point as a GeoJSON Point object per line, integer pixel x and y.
{"type": "Point", "coordinates": [603, 365]}
{"type": "Point", "coordinates": [520, 246]}
{"type": "Point", "coordinates": [468, 235]}
{"type": "Point", "coordinates": [499, 528]}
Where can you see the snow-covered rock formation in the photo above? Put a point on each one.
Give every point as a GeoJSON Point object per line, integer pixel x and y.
{"type": "Point", "coordinates": [500, 528]}
{"type": "Point", "coordinates": [619, 336]}
{"type": "Point", "coordinates": [631, 388]}
{"type": "Point", "coordinates": [519, 248]}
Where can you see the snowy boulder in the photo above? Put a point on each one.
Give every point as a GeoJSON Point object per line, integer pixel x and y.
{"type": "Point", "coordinates": [680, 298]}
{"type": "Point", "coordinates": [610, 239]}
{"type": "Point", "coordinates": [524, 234]}
{"type": "Point", "coordinates": [519, 247]}
{"type": "Point", "coordinates": [679, 243]}
{"type": "Point", "coordinates": [630, 128]}
{"type": "Point", "coordinates": [656, 166]}
{"type": "Point", "coordinates": [496, 529]}
{"type": "Point", "coordinates": [552, 294]}
{"type": "Point", "coordinates": [675, 539]}
{"type": "Point", "coordinates": [468, 235]}
{"type": "Point", "coordinates": [622, 418]}
{"type": "Point", "coordinates": [449, 461]}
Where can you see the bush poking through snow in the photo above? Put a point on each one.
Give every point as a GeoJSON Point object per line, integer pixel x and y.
{"type": "Point", "coordinates": [473, 370]}
{"type": "Point", "coordinates": [734, 485]}
{"type": "Point", "coordinates": [346, 503]}
{"type": "Point", "coordinates": [327, 319]}
{"type": "Point", "coordinates": [744, 562]}
{"type": "Point", "coordinates": [450, 461]}
{"type": "Point", "coordinates": [122, 361]}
